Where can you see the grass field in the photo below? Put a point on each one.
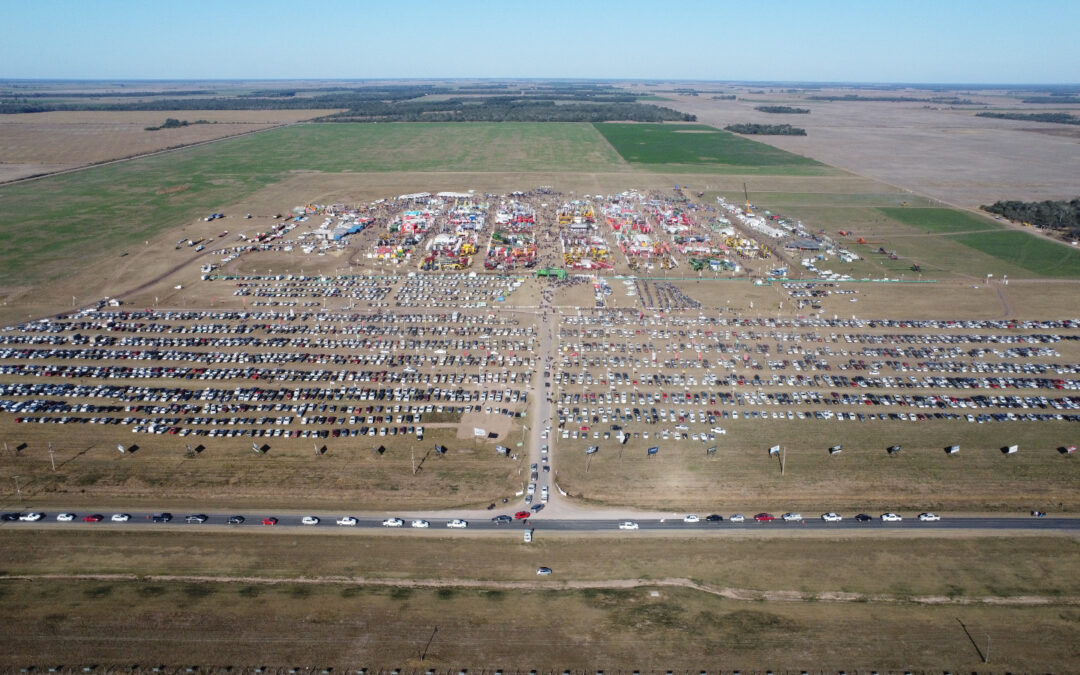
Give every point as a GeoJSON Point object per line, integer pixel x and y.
{"type": "Point", "coordinates": [324, 620]}
{"type": "Point", "coordinates": [686, 147]}
{"type": "Point", "coordinates": [52, 224]}
{"type": "Point", "coordinates": [1024, 250]}
{"type": "Point", "coordinates": [742, 476]}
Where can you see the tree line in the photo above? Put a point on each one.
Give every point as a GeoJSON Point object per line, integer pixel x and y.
{"type": "Point", "coordinates": [1060, 216]}
{"type": "Point", "coordinates": [505, 109]}
{"type": "Point", "coordinates": [1056, 117]}
{"type": "Point", "coordinates": [785, 109]}
{"type": "Point", "coordinates": [766, 129]}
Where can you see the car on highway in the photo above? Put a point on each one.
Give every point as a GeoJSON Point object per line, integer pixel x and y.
{"type": "Point", "coordinates": [421, 523]}
{"type": "Point", "coordinates": [93, 518]}
{"type": "Point", "coordinates": [831, 517]}
{"type": "Point", "coordinates": [309, 520]}
{"type": "Point", "coordinates": [522, 515]}
{"type": "Point", "coordinates": [737, 518]}
{"type": "Point", "coordinates": [891, 518]}
{"type": "Point", "coordinates": [789, 517]}
{"type": "Point", "coordinates": [691, 518]}
{"type": "Point", "coordinates": [502, 519]}
{"type": "Point", "coordinates": [32, 517]}
{"type": "Point", "coordinates": [270, 520]}
{"type": "Point", "coordinates": [628, 525]}
{"type": "Point", "coordinates": [714, 518]}
{"type": "Point", "coordinates": [120, 517]}
{"type": "Point", "coordinates": [347, 521]}
{"type": "Point", "coordinates": [543, 571]}
{"type": "Point", "coordinates": [197, 518]}
{"type": "Point", "coordinates": [764, 517]}
{"type": "Point", "coordinates": [929, 517]}
{"type": "Point", "coordinates": [235, 520]}
{"type": "Point", "coordinates": [458, 523]}
{"type": "Point", "coordinates": [863, 518]}
{"type": "Point", "coordinates": [65, 517]}
{"type": "Point", "coordinates": [393, 522]}
{"type": "Point", "coordinates": [163, 517]}
{"type": "Point", "coordinates": [10, 517]}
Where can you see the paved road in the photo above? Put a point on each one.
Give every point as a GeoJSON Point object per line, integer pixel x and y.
{"type": "Point", "coordinates": [142, 520]}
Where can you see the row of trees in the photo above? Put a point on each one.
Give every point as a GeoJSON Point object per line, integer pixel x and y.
{"type": "Point", "coordinates": [504, 109]}
{"type": "Point", "coordinates": [1060, 216]}
{"type": "Point", "coordinates": [782, 109]}
{"type": "Point", "coordinates": [766, 129]}
{"type": "Point", "coordinates": [945, 100]}
{"type": "Point", "coordinates": [173, 123]}
{"type": "Point", "coordinates": [1056, 117]}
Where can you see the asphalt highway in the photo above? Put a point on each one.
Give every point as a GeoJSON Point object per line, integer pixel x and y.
{"type": "Point", "coordinates": [143, 520]}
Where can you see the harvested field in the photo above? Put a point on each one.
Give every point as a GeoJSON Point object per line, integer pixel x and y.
{"type": "Point", "coordinates": [35, 143]}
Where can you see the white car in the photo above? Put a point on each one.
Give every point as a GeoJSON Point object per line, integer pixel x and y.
{"type": "Point", "coordinates": [120, 517]}
{"type": "Point", "coordinates": [691, 518]}
{"type": "Point", "coordinates": [891, 518]}
{"type": "Point", "coordinates": [32, 517]}
{"type": "Point", "coordinates": [393, 522]}
{"type": "Point", "coordinates": [737, 518]}
{"type": "Point", "coordinates": [421, 523]}
{"type": "Point", "coordinates": [831, 517]}
{"type": "Point", "coordinates": [628, 525]}
{"type": "Point", "coordinates": [65, 517]}
{"type": "Point", "coordinates": [309, 520]}
{"type": "Point", "coordinates": [792, 516]}
{"type": "Point", "coordinates": [458, 523]}
{"type": "Point", "coordinates": [347, 520]}
{"type": "Point", "coordinates": [929, 517]}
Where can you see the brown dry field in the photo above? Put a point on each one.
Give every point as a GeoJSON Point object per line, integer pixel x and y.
{"type": "Point", "coordinates": [35, 143]}
{"type": "Point", "coordinates": [929, 149]}
{"type": "Point", "coordinates": [341, 614]}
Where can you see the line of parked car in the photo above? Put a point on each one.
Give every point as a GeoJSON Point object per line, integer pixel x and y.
{"type": "Point", "coordinates": [764, 517]}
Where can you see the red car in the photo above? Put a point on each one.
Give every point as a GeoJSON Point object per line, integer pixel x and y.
{"type": "Point", "coordinates": [764, 517]}
{"type": "Point", "coordinates": [522, 515]}
{"type": "Point", "coordinates": [96, 518]}
{"type": "Point", "coordinates": [270, 521]}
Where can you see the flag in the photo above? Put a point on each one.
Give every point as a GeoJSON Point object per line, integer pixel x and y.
{"type": "Point", "coordinates": [654, 449]}
{"type": "Point", "coordinates": [774, 450]}
{"type": "Point", "coordinates": [1011, 449]}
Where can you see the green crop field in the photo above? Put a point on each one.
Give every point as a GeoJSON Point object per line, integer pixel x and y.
{"type": "Point", "coordinates": [1026, 251]}
{"type": "Point", "coordinates": [48, 225]}
{"type": "Point", "coordinates": [689, 147]}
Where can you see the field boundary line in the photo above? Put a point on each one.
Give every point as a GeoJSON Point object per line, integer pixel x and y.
{"type": "Point", "coordinates": [741, 594]}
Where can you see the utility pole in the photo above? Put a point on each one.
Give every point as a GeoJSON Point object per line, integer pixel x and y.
{"type": "Point", "coordinates": [412, 453]}
{"type": "Point", "coordinates": [783, 458]}
{"type": "Point", "coordinates": [52, 457]}
{"type": "Point", "coordinates": [986, 658]}
{"type": "Point", "coordinates": [424, 653]}
{"type": "Point", "coordinates": [18, 490]}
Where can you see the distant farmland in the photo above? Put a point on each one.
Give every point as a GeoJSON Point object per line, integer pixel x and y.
{"type": "Point", "coordinates": [699, 147]}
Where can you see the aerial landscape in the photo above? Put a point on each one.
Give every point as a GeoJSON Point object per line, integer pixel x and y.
{"type": "Point", "coordinates": [428, 339]}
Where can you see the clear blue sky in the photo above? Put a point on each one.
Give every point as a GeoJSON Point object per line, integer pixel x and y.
{"type": "Point", "coordinates": [970, 41]}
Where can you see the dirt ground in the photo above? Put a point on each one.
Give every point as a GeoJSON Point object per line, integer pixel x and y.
{"type": "Point", "coordinates": [934, 150]}
{"type": "Point", "coordinates": [35, 143]}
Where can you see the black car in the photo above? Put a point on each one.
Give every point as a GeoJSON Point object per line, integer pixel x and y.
{"type": "Point", "coordinates": [714, 518]}
{"type": "Point", "coordinates": [161, 517]}
{"type": "Point", "coordinates": [197, 518]}
{"type": "Point", "coordinates": [235, 520]}
{"type": "Point", "coordinates": [9, 517]}
{"type": "Point", "coordinates": [537, 507]}
{"type": "Point", "coordinates": [863, 518]}
{"type": "Point", "coordinates": [502, 519]}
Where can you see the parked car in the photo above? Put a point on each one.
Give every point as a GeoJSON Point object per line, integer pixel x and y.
{"type": "Point", "coordinates": [163, 517]}
{"type": "Point", "coordinates": [764, 517]}
{"type": "Point", "coordinates": [197, 518]}
{"type": "Point", "coordinates": [891, 518]}
{"type": "Point", "coordinates": [120, 517]}
{"type": "Point", "coordinates": [737, 518]}
{"type": "Point", "coordinates": [543, 571]}
{"type": "Point", "coordinates": [32, 517]}
{"type": "Point", "coordinates": [348, 521]}
{"type": "Point", "coordinates": [789, 517]}
{"type": "Point", "coordinates": [393, 522]}
{"type": "Point", "coordinates": [628, 525]}
{"type": "Point", "coordinates": [458, 523]}
{"type": "Point", "coordinates": [309, 520]}
{"type": "Point", "coordinates": [65, 517]}
{"type": "Point", "coordinates": [421, 523]}
{"type": "Point", "coordinates": [93, 518]}
{"type": "Point", "coordinates": [521, 515]}
{"type": "Point", "coordinates": [270, 521]}
{"type": "Point", "coordinates": [690, 518]}
{"type": "Point", "coordinates": [863, 518]}
{"type": "Point", "coordinates": [831, 517]}
{"type": "Point", "coordinates": [929, 517]}
{"type": "Point", "coordinates": [235, 520]}
{"type": "Point", "coordinates": [714, 518]}
{"type": "Point", "coordinates": [502, 519]}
